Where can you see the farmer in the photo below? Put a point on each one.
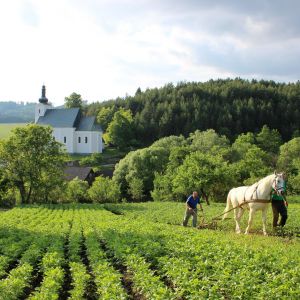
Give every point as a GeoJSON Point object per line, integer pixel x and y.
{"type": "Point", "coordinates": [279, 207]}
{"type": "Point", "coordinates": [191, 208]}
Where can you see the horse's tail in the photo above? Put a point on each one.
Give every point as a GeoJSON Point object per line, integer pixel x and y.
{"type": "Point", "coordinates": [227, 205]}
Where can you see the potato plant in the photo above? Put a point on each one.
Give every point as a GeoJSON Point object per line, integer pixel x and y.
{"type": "Point", "coordinates": [128, 251]}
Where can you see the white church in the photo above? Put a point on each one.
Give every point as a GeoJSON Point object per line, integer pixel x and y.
{"type": "Point", "coordinates": [78, 133]}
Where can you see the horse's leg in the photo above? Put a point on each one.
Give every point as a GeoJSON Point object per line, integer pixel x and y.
{"type": "Point", "coordinates": [237, 216]}
{"type": "Point", "coordinates": [264, 220]}
{"type": "Point", "coordinates": [251, 214]}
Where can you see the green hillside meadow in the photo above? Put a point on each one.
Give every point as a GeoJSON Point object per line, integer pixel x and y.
{"type": "Point", "coordinates": [140, 251]}
{"type": "Point", "coordinates": [5, 128]}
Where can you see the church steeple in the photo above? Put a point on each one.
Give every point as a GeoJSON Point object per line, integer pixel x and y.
{"type": "Point", "coordinates": [43, 99]}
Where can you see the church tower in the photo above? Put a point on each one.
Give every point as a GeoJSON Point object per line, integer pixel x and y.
{"type": "Point", "coordinates": [42, 106]}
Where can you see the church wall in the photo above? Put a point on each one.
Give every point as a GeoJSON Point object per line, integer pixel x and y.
{"type": "Point", "coordinates": [66, 137]}
{"type": "Point", "coordinates": [93, 145]}
{"type": "Point", "coordinates": [97, 145]}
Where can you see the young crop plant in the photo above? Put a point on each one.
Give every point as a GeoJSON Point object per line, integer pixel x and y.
{"type": "Point", "coordinates": [80, 278]}
{"type": "Point", "coordinates": [107, 279]}
{"type": "Point", "coordinates": [53, 261]}
{"type": "Point", "coordinates": [88, 251]}
{"type": "Point", "coordinates": [79, 273]}
{"type": "Point", "coordinates": [145, 282]}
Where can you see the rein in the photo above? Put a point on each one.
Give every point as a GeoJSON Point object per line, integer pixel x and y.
{"type": "Point", "coordinates": [241, 206]}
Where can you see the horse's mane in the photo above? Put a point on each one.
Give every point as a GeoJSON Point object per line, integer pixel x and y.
{"type": "Point", "coordinates": [262, 180]}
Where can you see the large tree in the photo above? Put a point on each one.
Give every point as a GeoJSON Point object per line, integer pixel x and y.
{"type": "Point", "coordinates": [105, 116]}
{"type": "Point", "coordinates": [289, 162]}
{"type": "Point", "coordinates": [74, 100]}
{"type": "Point", "coordinates": [269, 140]}
{"type": "Point", "coordinates": [203, 171]}
{"type": "Point", "coordinates": [120, 130]}
{"type": "Point", "coordinates": [32, 162]}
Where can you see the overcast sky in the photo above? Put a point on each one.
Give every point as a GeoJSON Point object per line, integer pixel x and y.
{"type": "Point", "coordinates": [103, 49]}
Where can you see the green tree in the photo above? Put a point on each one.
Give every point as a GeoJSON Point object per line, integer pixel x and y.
{"type": "Point", "coordinates": [269, 140]}
{"type": "Point", "coordinates": [162, 188]}
{"type": "Point", "coordinates": [289, 162]}
{"type": "Point", "coordinates": [207, 141]}
{"type": "Point", "coordinates": [140, 164]}
{"type": "Point", "coordinates": [242, 144]}
{"type": "Point", "coordinates": [105, 116]}
{"type": "Point", "coordinates": [104, 190]}
{"type": "Point", "coordinates": [253, 166]}
{"type": "Point", "coordinates": [6, 191]}
{"type": "Point", "coordinates": [287, 155]}
{"type": "Point", "coordinates": [162, 185]}
{"type": "Point", "coordinates": [74, 100]}
{"type": "Point", "coordinates": [77, 190]}
{"type": "Point", "coordinates": [294, 179]}
{"type": "Point", "coordinates": [120, 130]}
{"type": "Point", "coordinates": [136, 186]}
{"type": "Point", "coordinates": [32, 162]}
{"type": "Point", "coordinates": [203, 170]}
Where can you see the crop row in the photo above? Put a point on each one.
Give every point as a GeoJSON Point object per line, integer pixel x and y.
{"type": "Point", "coordinates": [207, 264]}
{"type": "Point", "coordinates": [86, 251]}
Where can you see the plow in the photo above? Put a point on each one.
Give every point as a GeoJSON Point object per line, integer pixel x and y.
{"type": "Point", "coordinates": [207, 224]}
{"type": "Point", "coordinates": [213, 223]}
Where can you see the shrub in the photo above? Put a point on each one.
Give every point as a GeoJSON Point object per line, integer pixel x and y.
{"type": "Point", "coordinates": [104, 190]}
{"type": "Point", "coordinates": [94, 159]}
{"type": "Point", "coordinates": [77, 191]}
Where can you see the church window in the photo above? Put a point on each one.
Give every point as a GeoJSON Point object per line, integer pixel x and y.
{"type": "Point", "coordinates": [65, 139]}
{"type": "Point", "coordinates": [79, 140]}
{"type": "Point", "coordinates": [86, 139]}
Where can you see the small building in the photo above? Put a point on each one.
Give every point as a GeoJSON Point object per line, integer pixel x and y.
{"type": "Point", "coordinates": [83, 173]}
{"type": "Point", "coordinates": [79, 134]}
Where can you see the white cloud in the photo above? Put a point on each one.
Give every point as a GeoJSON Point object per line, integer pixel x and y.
{"type": "Point", "coordinates": [104, 49]}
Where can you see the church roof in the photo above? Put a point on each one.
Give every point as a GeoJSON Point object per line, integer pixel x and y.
{"type": "Point", "coordinates": [88, 124]}
{"type": "Point", "coordinates": [62, 117]}
{"type": "Point", "coordinates": [68, 118]}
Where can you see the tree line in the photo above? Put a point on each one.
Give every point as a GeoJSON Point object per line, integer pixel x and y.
{"type": "Point", "coordinates": [32, 167]}
{"type": "Point", "coordinates": [230, 107]}
{"type": "Point", "coordinates": [174, 166]}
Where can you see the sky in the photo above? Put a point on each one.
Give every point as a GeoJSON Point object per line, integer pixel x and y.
{"type": "Point", "coordinates": [103, 49]}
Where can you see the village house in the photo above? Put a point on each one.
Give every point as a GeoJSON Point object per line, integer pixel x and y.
{"type": "Point", "coordinates": [79, 134]}
{"type": "Point", "coordinates": [83, 173]}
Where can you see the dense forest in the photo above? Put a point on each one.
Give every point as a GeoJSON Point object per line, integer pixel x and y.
{"type": "Point", "coordinates": [12, 112]}
{"type": "Point", "coordinates": [230, 107]}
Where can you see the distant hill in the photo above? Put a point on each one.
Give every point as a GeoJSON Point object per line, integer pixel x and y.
{"type": "Point", "coordinates": [12, 112]}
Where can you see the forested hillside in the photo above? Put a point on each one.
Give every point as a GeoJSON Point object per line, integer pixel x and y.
{"type": "Point", "coordinates": [12, 112]}
{"type": "Point", "coordinates": [230, 107]}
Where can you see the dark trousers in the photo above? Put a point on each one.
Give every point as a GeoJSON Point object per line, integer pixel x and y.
{"type": "Point", "coordinates": [279, 208]}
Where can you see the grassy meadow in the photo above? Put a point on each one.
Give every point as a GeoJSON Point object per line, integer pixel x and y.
{"type": "Point", "coordinates": [6, 128]}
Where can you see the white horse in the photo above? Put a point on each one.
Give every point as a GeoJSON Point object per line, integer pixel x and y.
{"type": "Point", "coordinates": [255, 197]}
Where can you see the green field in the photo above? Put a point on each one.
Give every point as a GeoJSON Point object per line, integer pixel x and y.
{"type": "Point", "coordinates": [140, 251]}
{"type": "Point", "coordinates": [5, 129]}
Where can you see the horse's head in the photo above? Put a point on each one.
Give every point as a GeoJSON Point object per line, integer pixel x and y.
{"type": "Point", "coordinates": [279, 183]}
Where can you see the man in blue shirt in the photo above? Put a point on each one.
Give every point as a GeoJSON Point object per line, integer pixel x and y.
{"type": "Point", "coordinates": [191, 208]}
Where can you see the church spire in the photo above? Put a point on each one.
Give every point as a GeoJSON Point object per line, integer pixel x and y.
{"type": "Point", "coordinates": [43, 99]}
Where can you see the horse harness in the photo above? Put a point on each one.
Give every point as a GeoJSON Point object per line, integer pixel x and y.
{"type": "Point", "coordinates": [257, 200]}
{"type": "Point", "coordinates": [254, 200]}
